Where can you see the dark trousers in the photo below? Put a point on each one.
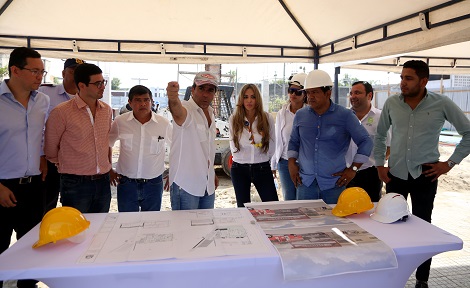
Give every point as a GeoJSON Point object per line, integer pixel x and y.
{"type": "Point", "coordinates": [260, 175]}
{"type": "Point", "coordinates": [368, 179]}
{"type": "Point", "coordinates": [422, 192]}
{"type": "Point", "coordinates": [23, 217]}
{"type": "Point", "coordinates": [87, 194]}
{"type": "Point", "coordinates": [52, 187]}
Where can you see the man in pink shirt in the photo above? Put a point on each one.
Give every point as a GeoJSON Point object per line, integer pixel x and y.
{"type": "Point", "coordinates": [76, 139]}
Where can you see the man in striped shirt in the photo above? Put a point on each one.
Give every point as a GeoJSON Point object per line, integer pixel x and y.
{"type": "Point", "coordinates": [76, 139]}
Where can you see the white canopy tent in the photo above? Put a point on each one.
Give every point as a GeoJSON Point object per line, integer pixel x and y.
{"type": "Point", "coordinates": [226, 31]}
{"type": "Point", "coordinates": [446, 60]}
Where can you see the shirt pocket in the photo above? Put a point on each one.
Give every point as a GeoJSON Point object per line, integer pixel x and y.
{"type": "Point", "coordinates": [157, 145]}
{"type": "Point", "coordinates": [126, 141]}
{"type": "Point", "coordinates": [202, 132]}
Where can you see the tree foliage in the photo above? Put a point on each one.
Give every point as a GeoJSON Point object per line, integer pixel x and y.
{"type": "Point", "coordinates": [3, 72]}
{"type": "Point", "coordinates": [115, 84]}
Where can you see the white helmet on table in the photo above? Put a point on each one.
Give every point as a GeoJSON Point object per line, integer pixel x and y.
{"type": "Point", "coordinates": [391, 208]}
{"type": "Point", "coordinates": [317, 78]}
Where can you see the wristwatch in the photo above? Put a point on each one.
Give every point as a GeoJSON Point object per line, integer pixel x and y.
{"type": "Point", "coordinates": [354, 168]}
{"type": "Point", "coordinates": [451, 163]}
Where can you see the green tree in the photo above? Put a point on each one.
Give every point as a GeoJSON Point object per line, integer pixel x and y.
{"type": "Point", "coordinates": [115, 83]}
{"type": "Point", "coordinates": [3, 72]}
{"type": "Point", "coordinates": [347, 80]}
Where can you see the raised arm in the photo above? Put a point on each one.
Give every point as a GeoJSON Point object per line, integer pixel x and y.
{"type": "Point", "coordinates": [177, 110]}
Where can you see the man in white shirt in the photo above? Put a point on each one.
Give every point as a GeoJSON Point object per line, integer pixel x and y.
{"type": "Point", "coordinates": [367, 177]}
{"type": "Point", "coordinates": [192, 176]}
{"type": "Point", "coordinates": [142, 135]}
{"type": "Point", "coordinates": [58, 94]}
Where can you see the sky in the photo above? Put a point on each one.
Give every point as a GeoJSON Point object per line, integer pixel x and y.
{"type": "Point", "coordinates": [158, 75]}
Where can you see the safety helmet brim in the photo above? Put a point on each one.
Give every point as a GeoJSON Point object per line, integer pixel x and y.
{"type": "Point", "coordinates": [382, 219]}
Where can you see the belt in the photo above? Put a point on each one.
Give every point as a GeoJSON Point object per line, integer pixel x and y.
{"type": "Point", "coordinates": [88, 177]}
{"type": "Point", "coordinates": [21, 181]}
{"type": "Point", "coordinates": [251, 165]}
{"type": "Point", "coordinates": [139, 180]}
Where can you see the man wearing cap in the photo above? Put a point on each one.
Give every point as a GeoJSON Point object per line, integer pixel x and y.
{"type": "Point", "coordinates": [192, 176]}
{"type": "Point", "coordinates": [76, 139]}
{"type": "Point", "coordinates": [58, 94]}
{"type": "Point", "coordinates": [23, 167]}
{"type": "Point", "coordinates": [320, 137]}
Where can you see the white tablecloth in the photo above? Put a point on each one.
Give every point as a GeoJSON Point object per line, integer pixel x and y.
{"type": "Point", "coordinates": [413, 241]}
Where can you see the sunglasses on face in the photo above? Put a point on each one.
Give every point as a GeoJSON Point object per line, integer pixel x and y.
{"type": "Point", "coordinates": [297, 92]}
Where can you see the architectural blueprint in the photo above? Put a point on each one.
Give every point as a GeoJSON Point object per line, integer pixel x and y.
{"type": "Point", "coordinates": [175, 235]}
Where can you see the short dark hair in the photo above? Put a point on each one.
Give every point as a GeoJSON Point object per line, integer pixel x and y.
{"type": "Point", "coordinates": [84, 71]}
{"type": "Point", "coordinates": [420, 67]}
{"type": "Point", "coordinates": [367, 86]}
{"type": "Point", "coordinates": [18, 57]}
{"type": "Point", "coordinates": [139, 90]}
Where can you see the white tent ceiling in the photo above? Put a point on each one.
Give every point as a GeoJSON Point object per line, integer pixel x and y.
{"type": "Point", "coordinates": [447, 60]}
{"type": "Point", "coordinates": [228, 31]}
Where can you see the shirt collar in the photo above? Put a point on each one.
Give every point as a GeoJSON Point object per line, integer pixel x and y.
{"type": "Point", "coordinates": [61, 89]}
{"type": "Point", "coordinates": [131, 117]}
{"type": "Point", "coordinates": [81, 103]}
{"type": "Point", "coordinates": [5, 90]}
{"type": "Point", "coordinates": [192, 103]}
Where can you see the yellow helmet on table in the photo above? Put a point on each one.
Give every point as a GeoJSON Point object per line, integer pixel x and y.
{"type": "Point", "coordinates": [61, 223]}
{"type": "Point", "coordinates": [353, 200]}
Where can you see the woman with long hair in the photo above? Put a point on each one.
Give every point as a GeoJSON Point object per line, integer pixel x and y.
{"type": "Point", "coordinates": [252, 145]}
{"type": "Point", "coordinates": [284, 121]}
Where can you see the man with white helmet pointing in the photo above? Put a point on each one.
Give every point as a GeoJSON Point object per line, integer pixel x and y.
{"type": "Point", "coordinates": [320, 138]}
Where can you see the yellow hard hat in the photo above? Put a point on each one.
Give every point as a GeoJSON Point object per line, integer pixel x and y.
{"type": "Point", "coordinates": [60, 223]}
{"type": "Point", "coordinates": [352, 200]}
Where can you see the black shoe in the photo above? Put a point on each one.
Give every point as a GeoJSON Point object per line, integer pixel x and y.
{"type": "Point", "coordinates": [421, 284]}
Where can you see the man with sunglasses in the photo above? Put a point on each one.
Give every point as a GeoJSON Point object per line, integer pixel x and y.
{"type": "Point", "coordinates": [367, 177]}
{"type": "Point", "coordinates": [23, 167]}
{"type": "Point", "coordinates": [76, 140]}
{"type": "Point", "coordinates": [58, 94]}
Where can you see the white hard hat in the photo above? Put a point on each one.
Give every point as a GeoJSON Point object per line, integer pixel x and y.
{"type": "Point", "coordinates": [391, 207]}
{"type": "Point", "coordinates": [297, 79]}
{"type": "Point", "coordinates": [317, 78]}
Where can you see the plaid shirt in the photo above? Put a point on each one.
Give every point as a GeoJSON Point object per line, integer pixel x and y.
{"type": "Point", "coordinates": [79, 146]}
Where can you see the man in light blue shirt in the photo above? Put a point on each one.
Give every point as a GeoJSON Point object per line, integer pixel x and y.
{"type": "Point", "coordinates": [22, 164]}
{"type": "Point", "coordinates": [320, 138]}
{"type": "Point", "coordinates": [417, 117]}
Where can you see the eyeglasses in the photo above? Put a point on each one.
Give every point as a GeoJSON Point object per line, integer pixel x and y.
{"type": "Point", "coordinates": [297, 92]}
{"type": "Point", "coordinates": [99, 84]}
{"type": "Point", "coordinates": [36, 72]}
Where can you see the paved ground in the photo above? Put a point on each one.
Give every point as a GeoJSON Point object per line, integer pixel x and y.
{"type": "Point", "coordinates": [451, 269]}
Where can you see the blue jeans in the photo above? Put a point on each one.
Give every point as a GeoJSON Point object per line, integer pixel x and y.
{"type": "Point", "coordinates": [182, 200]}
{"type": "Point", "coordinates": [260, 175]}
{"type": "Point", "coordinates": [313, 192]}
{"type": "Point", "coordinates": [133, 194]}
{"type": "Point", "coordinates": [288, 188]}
{"type": "Point", "coordinates": [84, 194]}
